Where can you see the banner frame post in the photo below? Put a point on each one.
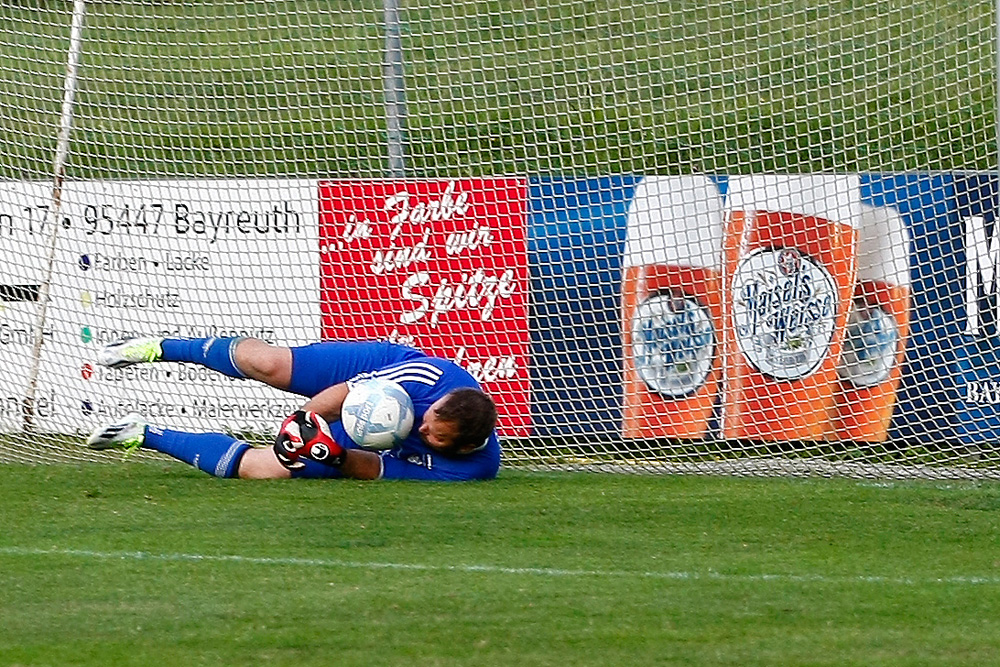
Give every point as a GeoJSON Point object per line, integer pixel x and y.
{"type": "Point", "coordinates": [395, 91]}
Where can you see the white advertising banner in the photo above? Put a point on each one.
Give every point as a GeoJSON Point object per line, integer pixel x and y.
{"type": "Point", "coordinates": [191, 258]}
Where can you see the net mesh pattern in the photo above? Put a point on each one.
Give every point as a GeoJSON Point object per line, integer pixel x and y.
{"type": "Point", "coordinates": [740, 237]}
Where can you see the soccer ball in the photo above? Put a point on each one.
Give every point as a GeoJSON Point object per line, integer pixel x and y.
{"type": "Point", "coordinates": [377, 414]}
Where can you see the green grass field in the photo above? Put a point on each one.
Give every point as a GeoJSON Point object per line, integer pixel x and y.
{"type": "Point", "coordinates": [138, 564]}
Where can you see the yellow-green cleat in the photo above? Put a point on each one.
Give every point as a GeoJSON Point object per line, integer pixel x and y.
{"type": "Point", "coordinates": [130, 351]}
{"type": "Point", "coordinates": [128, 434]}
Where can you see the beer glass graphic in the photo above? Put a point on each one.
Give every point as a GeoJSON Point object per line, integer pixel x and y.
{"type": "Point", "coordinates": [788, 278]}
{"type": "Point", "coordinates": [672, 307]}
{"type": "Point", "coordinates": [875, 339]}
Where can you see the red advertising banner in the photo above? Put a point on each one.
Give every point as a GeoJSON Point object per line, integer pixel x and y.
{"type": "Point", "coordinates": [437, 264]}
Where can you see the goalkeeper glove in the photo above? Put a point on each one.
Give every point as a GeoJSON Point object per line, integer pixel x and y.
{"type": "Point", "coordinates": [306, 435]}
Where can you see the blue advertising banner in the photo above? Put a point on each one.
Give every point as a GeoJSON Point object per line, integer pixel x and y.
{"type": "Point", "coordinates": [576, 233]}
{"type": "Point", "coordinates": [977, 368]}
{"type": "Point", "coordinates": [947, 333]}
{"type": "Point", "coordinates": [927, 397]}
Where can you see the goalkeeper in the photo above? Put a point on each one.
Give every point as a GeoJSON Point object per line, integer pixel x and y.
{"type": "Point", "coordinates": [453, 438]}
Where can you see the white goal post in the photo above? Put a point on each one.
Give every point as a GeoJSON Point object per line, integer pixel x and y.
{"type": "Point", "coordinates": [748, 238]}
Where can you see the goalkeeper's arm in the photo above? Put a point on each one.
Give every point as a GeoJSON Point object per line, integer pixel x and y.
{"type": "Point", "coordinates": [262, 463]}
{"type": "Point", "coordinates": [327, 403]}
{"type": "Point", "coordinates": [305, 435]}
{"type": "Point", "coordinates": [361, 464]}
{"type": "Point", "coordinates": [357, 463]}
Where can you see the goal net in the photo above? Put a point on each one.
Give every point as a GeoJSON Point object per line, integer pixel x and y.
{"type": "Point", "coordinates": [741, 237]}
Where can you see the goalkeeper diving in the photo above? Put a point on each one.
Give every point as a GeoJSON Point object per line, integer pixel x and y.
{"type": "Point", "coordinates": [453, 437]}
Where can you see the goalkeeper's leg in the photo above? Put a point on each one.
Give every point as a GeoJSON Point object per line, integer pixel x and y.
{"type": "Point", "coordinates": [217, 454]}
{"type": "Point", "coordinates": [304, 370]}
{"type": "Point", "coordinates": [235, 357]}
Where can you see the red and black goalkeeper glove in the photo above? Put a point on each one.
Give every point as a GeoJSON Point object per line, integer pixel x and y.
{"type": "Point", "coordinates": [306, 435]}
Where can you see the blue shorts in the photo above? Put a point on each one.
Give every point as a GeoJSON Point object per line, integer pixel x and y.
{"type": "Point", "coordinates": [321, 365]}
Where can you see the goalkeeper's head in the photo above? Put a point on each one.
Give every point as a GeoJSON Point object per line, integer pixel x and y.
{"type": "Point", "coordinates": [460, 423]}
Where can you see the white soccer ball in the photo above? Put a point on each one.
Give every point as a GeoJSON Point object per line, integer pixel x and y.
{"type": "Point", "coordinates": [377, 414]}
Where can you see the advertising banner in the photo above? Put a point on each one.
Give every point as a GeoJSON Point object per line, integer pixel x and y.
{"type": "Point", "coordinates": [576, 240]}
{"type": "Point", "coordinates": [439, 265]}
{"type": "Point", "coordinates": [978, 356]}
{"type": "Point", "coordinates": [780, 307]}
{"type": "Point", "coordinates": [170, 258]}
{"type": "Point", "coordinates": [860, 307]}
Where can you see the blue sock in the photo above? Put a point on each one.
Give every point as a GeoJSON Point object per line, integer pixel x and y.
{"type": "Point", "coordinates": [215, 453]}
{"type": "Point", "coordinates": [216, 353]}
